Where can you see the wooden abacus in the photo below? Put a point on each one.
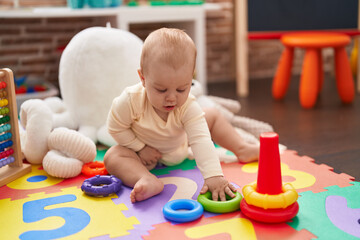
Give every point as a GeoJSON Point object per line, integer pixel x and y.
{"type": "Point", "coordinates": [11, 158]}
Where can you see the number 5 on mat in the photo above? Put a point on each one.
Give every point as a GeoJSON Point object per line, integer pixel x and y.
{"type": "Point", "coordinates": [75, 219]}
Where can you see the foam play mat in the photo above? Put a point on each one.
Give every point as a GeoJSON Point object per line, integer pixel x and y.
{"type": "Point", "coordinates": [37, 206]}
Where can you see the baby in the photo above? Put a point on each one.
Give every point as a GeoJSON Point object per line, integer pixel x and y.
{"type": "Point", "coordinates": [157, 119]}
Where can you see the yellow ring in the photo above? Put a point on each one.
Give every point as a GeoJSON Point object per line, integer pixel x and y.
{"type": "Point", "coordinates": [265, 201]}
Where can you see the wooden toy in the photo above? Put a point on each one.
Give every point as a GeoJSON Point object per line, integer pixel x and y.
{"type": "Point", "coordinates": [11, 164]}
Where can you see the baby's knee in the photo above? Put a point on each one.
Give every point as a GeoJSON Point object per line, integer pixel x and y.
{"type": "Point", "coordinates": [113, 155]}
{"type": "Point", "coordinates": [211, 114]}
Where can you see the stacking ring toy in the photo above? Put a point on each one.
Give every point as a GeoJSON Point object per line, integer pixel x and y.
{"type": "Point", "coordinates": [230, 205]}
{"type": "Point", "coordinates": [194, 210]}
{"type": "Point", "coordinates": [265, 201]}
{"type": "Point", "coordinates": [101, 186]}
{"type": "Point", "coordinates": [269, 215]}
{"type": "Point", "coordinates": [92, 169]}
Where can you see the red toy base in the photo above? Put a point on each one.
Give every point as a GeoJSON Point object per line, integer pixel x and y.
{"type": "Point", "coordinates": [269, 215]}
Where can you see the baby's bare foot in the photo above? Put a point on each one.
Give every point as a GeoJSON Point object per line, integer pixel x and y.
{"type": "Point", "coordinates": [248, 153]}
{"type": "Point", "coordinates": [145, 188]}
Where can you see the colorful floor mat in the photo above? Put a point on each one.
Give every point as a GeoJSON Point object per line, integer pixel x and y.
{"type": "Point", "coordinates": [38, 206]}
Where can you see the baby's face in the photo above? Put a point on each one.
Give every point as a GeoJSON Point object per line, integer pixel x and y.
{"type": "Point", "coordinates": [166, 87]}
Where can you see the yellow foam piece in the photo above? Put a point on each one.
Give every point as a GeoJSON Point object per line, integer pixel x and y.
{"type": "Point", "coordinates": [237, 228]}
{"type": "Point", "coordinates": [22, 183]}
{"type": "Point", "coordinates": [105, 217]}
{"type": "Point", "coordinates": [185, 187]}
{"type": "Point", "coordinates": [302, 179]}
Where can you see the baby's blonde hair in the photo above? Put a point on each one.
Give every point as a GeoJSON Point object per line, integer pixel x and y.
{"type": "Point", "coordinates": [170, 46]}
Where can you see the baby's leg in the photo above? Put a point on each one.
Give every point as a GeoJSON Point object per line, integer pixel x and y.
{"type": "Point", "coordinates": [126, 165]}
{"type": "Point", "coordinates": [224, 134]}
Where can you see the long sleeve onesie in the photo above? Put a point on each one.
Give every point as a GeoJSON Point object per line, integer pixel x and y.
{"type": "Point", "coordinates": [133, 123]}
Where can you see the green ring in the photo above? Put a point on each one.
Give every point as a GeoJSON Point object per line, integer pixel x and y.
{"type": "Point", "coordinates": [231, 204]}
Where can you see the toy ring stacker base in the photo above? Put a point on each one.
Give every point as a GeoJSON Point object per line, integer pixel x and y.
{"type": "Point", "coordinates": [230, 205]}
{"type": "Point", "coordinates": [269, 215]}
{"type": "Point", "coordinates": [94, 168]}
{"type": "Point", "coordinates": [194, 210]}
{"type": "Point", "coordinates": [101, 186]}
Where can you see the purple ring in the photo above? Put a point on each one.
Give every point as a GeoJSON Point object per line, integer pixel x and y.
{"type": "Point", "coordinates": [101, 185]}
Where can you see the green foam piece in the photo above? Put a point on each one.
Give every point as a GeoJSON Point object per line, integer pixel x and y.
{"type": "Point", "coordinates": [187, 164]}
{"type": "Point", "coordinates": [100, 153]}
{"type": "Point", "coordinates": [227, 151]}
{"type": "Point", "coordinates": [312, 213]}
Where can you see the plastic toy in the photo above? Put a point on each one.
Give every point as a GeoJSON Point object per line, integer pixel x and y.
{"type": "Point", "coordinates": [312, 74]}
{"type": "Point", "coordinates": [354, 57]}
{"type": "Point", "coordinates": [104, 3]}
{"type": "Point", "coordinates": [194, 210]}
{"type": "Point", "coordinates": [76, 4]}
{"type": "Point", "coordinates": [101, 186]}
{"type": "Point", "coordinates": [11, 164]}
{"type": "Point", "coordinates": [282, 200]}
{"type": "Point", "coordinates": [230, 205]}
{"type": "Point", "coordinates": [21, 86]}
{"type": "Point", "coordinates": [269, 200]}
{"type": "Point", "coordinates": [94, 168]}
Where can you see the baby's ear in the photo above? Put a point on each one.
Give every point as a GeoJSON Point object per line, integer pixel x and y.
{"type": "Point", "coordinates": [141, 77]}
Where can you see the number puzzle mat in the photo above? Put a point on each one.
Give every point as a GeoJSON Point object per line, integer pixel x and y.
{"type": "Point", "coordinates": [38, 206]}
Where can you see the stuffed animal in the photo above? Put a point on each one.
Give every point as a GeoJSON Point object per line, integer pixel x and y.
{"type": "Point", "coordinates": [95, 67]}
{"type": "Point", "coordinates": [61, 151]}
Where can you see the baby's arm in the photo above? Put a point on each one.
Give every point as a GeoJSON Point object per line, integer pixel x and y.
{"type": "Point", "coordinates": [218, 186]}
{"type": "Point", "coordinates": [205, 154]}
{"type": "Point", "coordinates": [149, 155]}
{"type": "Point", "coordinates": [119, 121]}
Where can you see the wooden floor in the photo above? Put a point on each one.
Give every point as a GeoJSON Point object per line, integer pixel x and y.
{"type": "Point", "coordinates": [329, 133]}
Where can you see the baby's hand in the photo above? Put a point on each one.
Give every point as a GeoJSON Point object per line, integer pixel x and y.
{"type": "Point", "coordinates": [149, 155]}
{"type": "Point", "coordinates": [218, 186]}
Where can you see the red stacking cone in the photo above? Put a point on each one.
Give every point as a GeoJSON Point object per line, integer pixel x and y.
{"type": "Point", "coordinates": [269, 172]}
{"type": "Point", "coordinates": [268, 200]}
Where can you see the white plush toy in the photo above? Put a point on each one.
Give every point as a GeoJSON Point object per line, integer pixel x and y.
{"type": "Point", "coordinates": [95, 67]}
{"type": "Point", "coordinates": [61, 151]}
